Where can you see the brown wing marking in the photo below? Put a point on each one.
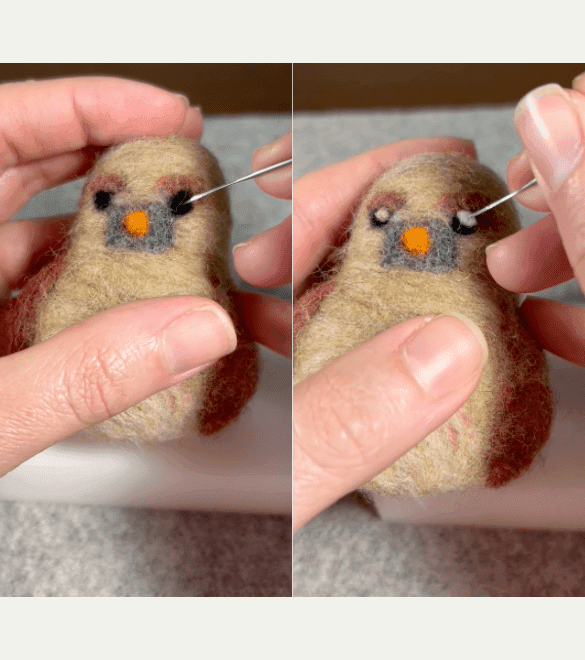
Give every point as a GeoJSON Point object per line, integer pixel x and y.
{"type": "Point", "coordinates": [234, 379]}
{"type": "Point", "coordinates": [309, 303]}
{"type": "Point", "coordinates": [17, 318]}
{"type": "Point", "coordinates": [526, 417]}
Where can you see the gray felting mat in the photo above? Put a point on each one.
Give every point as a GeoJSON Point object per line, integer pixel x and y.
{"type": "Point", "coordinates": [348, 550]}
{"type": "Point", "coordinates": [68, 550]}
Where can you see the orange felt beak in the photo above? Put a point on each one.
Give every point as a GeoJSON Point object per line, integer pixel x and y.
{"type": "Point", "coordinates": [416, 240]}
{"type": "Point", "coordinates": [136, 223]}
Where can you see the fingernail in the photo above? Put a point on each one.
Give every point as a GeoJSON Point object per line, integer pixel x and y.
{"type": "Point", "coordinates": [518, 160]}
{"type": "Point", "coordinates": [184, 99]}
{"type": "Point", "coordinates": [495, 244]}
{"type": "Point", "coordinates": [491, 246]}
{"type": "Point", "coordinates": [548, 125]}
{"type": "Point", "coordinates": [239, 245]}
{"type": "Point", "coordinates": [577, 79]}
{"type": "Point", "coordinates": [445, 354]}
{"type": "Point", "coordinates": [269, 151]}
{"type": "Point", "coordinates": [197, 339]}
{"type": "Point", "coordinates": [520, 171]}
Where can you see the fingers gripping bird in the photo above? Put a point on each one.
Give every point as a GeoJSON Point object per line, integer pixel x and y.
{"type": "Point", "coordinates": [135, 237]}
{"type": "Point", "coordinates": [414, 251]}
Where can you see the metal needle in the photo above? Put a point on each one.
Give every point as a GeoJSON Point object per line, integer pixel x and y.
{"type": "Point", "coordinates": [253, 175]}
{"type": "Point", "coordinates": [503, 199]}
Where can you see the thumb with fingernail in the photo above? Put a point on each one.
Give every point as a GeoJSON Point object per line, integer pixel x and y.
{"type": "Point", "coordinates": [99, 368]}
{"type": "Point", "coordinates": [550, 121]}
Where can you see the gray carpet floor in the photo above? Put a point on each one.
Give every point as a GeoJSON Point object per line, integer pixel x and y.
{"type": "Point", "coordinates": [70, 550]}
{"type": "Point", "coordinates": [349, 551]}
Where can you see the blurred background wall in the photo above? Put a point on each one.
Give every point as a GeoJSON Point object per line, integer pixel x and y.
{"type": "Point", "coordinates": [225, 88]}
{"type": "Point", "coordinates": [354, 86]}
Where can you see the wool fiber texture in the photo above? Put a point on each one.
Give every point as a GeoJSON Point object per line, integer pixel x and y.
{"type": "Point", "coordinates": [134, 238]}
{"type": "Point", "coordinates": [409, 255]}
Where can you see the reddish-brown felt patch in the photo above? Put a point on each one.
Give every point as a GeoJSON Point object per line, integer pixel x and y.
{"type": "Point", "coordinates": [17, 318]}
{"type": "Point", "coordinates": [392, 201]}
{"type": "Point", "coordinates": [170, 185]}
{"type": "Point", "coordinates": [309, 303]}
{"type": "Point", "coordinates": [108, 182]}
{"type": "Point", "coordinates": [453, 437]}
{"type": "Point", "coordinates": [526, 413]}
{"type": "Point", "coordinates": [234, 381]}
{"type": "Point", "coordinates": [524, 431]}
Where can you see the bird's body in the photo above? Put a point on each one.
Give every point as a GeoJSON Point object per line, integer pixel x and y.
{"type": "Point", "coordinates": [134, 238]}
{"type": "Point", "coordinates": [407, 256]}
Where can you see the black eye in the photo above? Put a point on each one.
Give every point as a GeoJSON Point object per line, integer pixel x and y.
{"type": "Point", "coordinates": [102, 199]}
{"type": "Point", "coordinates": [462, 224]}
{"type": "Point", "coordinates": [380, 216]}
{"type": "Point", "coordinates": [179, 202]}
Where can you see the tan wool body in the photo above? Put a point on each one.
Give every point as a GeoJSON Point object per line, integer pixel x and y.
{"type": "Point", "coordinates": [97, 277]}
{"type": "Point", "coordinates": [498, 431]}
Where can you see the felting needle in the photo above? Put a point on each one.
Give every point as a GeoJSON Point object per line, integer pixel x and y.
{"type": "Point", "coordinates": [503, 199]}
{"type": "Point", "coordinates": [253, 175]}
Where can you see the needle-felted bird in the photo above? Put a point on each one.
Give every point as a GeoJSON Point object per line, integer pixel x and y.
{"type": "Point", "coordinates": [137, 237]}
{"type": "Point", "coordinates": [414, 251]}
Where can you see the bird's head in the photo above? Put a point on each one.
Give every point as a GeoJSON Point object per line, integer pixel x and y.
{"type": "Point", "coordinates": [137, 196]}
{"type": "Point", "coordinates": [415, 216]}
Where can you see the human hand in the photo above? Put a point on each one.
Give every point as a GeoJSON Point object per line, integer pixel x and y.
{"type": "Point", "coordinates": [265, 260]}
{"type": "Point", "coordinates": [360, 413]}
{"type": "Point", "coordinates": [51, 131]}
{"type": "Point", "coordinates": [551, 124]}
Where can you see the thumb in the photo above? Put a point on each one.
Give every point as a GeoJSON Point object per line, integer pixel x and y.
{"type": "Point", "coordinates": [102, 366]}
{"type": "Point", "coordinates": [360, 413]}
{"type": "Point", "coordinates": [549, 121]}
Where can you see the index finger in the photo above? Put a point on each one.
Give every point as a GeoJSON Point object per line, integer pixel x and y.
{"type": "Point", "coordinates": [46, 118]}
{"type": "Point", "coordinates": [50, 129]}
{"type": "Point", "coordinates": [324, 200]}
{"type": "Point", "coordinates": [277, 183]}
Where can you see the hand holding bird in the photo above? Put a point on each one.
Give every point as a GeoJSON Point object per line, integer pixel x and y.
{"type": "Point", "coordinates": [51, 133]}
{"type": "Point", "coordinates": [360, 407]}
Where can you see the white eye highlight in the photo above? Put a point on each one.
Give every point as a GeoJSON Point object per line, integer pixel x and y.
{"type": "Point", "coordinates": [465, 219]}
{"type": "Point", "coordinates": [380, 216]}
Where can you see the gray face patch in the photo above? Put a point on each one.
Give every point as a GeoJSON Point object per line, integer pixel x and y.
{"type": "Point", "coordinates": [159, 237]}
{"type": "Point", "coordinates": [441, 256]}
